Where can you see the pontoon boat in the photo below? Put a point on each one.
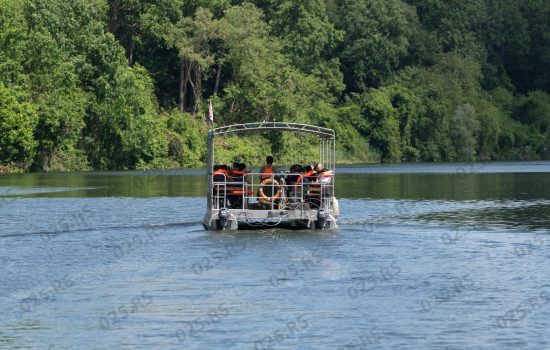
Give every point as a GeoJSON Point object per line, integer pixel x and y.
{"type": "Point", "coordinates": [259, 200]}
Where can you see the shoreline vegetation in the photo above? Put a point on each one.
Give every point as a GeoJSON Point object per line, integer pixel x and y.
{"type": "Point", "coordinates": [119, 84]}
{"type": "Point", "coordinates": [462, 167]}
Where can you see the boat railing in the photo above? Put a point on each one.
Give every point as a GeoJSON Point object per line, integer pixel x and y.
{"type": "Point", "coordinates": [243, 192]}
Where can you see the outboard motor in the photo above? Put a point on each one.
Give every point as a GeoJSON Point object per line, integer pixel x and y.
{"type": "Point", "coordinates": [322, 219]}
{"type": "Point", "coordinates": [224, 218]}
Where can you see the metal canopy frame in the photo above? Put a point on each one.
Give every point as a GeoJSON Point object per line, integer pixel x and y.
{"type": "Point", "coordinates": [323, 133]}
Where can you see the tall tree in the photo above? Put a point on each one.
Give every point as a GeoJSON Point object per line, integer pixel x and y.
{"type": "Point", "coordinates": [124, 22]}
{"type": "Point", "coordinates": [309, 38]}
{"type": "Point", "coordinates": [375, 40]}
{"type": "Point", "coordinates": [191, 36]}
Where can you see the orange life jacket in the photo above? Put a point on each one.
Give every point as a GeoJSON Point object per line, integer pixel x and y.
{"type": "Point", "coordinates": [310, 173]}
{"type": "Point", "coordinates": [219, 175]}
{"type": "Point", "coordinates": [238, 173]}
{"type": "Point", "coordinates": [266, 171]}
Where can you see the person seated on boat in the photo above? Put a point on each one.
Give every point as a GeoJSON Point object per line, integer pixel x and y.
{"type": "Point", "coordinates": [269, 193]}
{"type": "Point", "coordinates": [238, 172]}
{"type": "Point", "coordinates": [325, 177]}
{"type": "Point", "coordinates": [312, 189]}
{"type": "Point", "coordinates": [321, 171]}
{"type": "Point", "coordinates": [220, 172]}
{"type": "Point", "coordinates": [310, 175]}
{"type": "Point", "coordinates": [294, 183]}
{"type": "Point", "coordinates": [219, 177]}
{"type": "Point", "coordinates": [268, 169]}
{"type": "Point", "coordinates": [236, 190]}
{"type": "Point", "coordinates": [295, 174]}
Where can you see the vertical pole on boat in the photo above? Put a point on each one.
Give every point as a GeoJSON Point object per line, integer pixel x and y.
{"type": "Point", "coordinates": [209, 167]}
{"type": "Point", "coordinates": [272, 189]}
{"type": "Point", "coordinates": [334, 154]}
{"type": "Point", "coordinates": [327, 154]}
{"type": "Point", "coordinates": [333, 192]}
{"type": "Point", "coordinates": [324, 152]}
{"type": "Point", "coordinates": [320, 150]}
{"type": "Point", "coordinates": [328, 166]}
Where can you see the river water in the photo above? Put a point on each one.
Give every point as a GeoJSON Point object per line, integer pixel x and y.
{"type": "Point", "coordinates": [427, 256]}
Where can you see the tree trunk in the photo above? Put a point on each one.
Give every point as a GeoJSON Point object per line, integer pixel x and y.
{"type": "Point", "coordinates": [130, 50]}
{"type": "Point", "coordinates": [182, 85]}
{"type": "Point", "coordinates": [198, 89]}
{"type": "Point", "coordinates": [193, 89]}
{"type": "Point", "coordinates": [45, 155]}
{"type": "Point", "coordinates": [113, 21]}
{"type": "Point", "coordinates": [218, 75]}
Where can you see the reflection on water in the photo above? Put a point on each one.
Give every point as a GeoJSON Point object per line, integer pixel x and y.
{"type": "Point", "coordinates": [426, 257]}
{"type": "Point", "coordinates": [528, 215]}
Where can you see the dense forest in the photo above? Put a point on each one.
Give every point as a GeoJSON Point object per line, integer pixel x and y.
{"type": "Point", "coordinates": [125, 84]}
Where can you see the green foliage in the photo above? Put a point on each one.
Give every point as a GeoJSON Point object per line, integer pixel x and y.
{"type": "Point", "coordinates": [126, 128]}
{"type": "Point", "coordinates": [95, 84]}
{"type": "Point", "coordinates": [17, 123]}
{"type": "Point", "coordinates": [464, 130]}
{"type": "Point", "coordinates": [534, 109]}
{"type": "Point", "coordinates": [351, 146]}
{"type": "Point", "coordinates": [187, 144]}
{"type": "Point", "coordinates": [383, 124]}
{"type": "Point", "coordinates": [245, 43]}
{"type": "Point", "coordinates": [60, 124]}
{"type": "Point", "coordinates": [14, 41]}
{"type": "Point", "coordinates": [455, 25]}
{"type": "Point", "coordinates": [375, 40]}
{"type": "Point", "coordinates": [309, 38]}
{"type": "Point", "coordinates": [250, 150]}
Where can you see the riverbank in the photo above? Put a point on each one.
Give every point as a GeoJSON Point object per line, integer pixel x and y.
{"type": "Point", "coordinates": [19, 169]}
{"type": "Point", "coordinates": [11, 169]}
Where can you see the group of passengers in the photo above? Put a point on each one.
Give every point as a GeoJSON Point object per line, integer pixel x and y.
{"type": "Point", "coordinates": [231, 174]}
{"type": "Point", "coordinates": [306, 182]}
{"type": "Point", "coordinates": [300, 183]}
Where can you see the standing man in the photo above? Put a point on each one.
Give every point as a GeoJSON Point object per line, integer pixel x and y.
{"type": "Point", "coordinates": [267, 170]}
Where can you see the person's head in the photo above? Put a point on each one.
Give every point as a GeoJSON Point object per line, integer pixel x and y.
{"type": "Point", "coordinates": [296, 168]}
{"type": "Point", "coordinates": [319, 167]}
{"type": "Point", "coordinates": [225, 167]}
{"type": "Point", "coordinates": [308, 168]}
{"type": "Point", "coordinates": [269, 160]}
{"type": "Point", "coordinates": [242, 166]}
{"type": "Point", "coordinates": [217, 167]}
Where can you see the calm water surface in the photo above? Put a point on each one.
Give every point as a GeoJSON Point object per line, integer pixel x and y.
{"type": "Point", "coordinates": [427, 256]}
